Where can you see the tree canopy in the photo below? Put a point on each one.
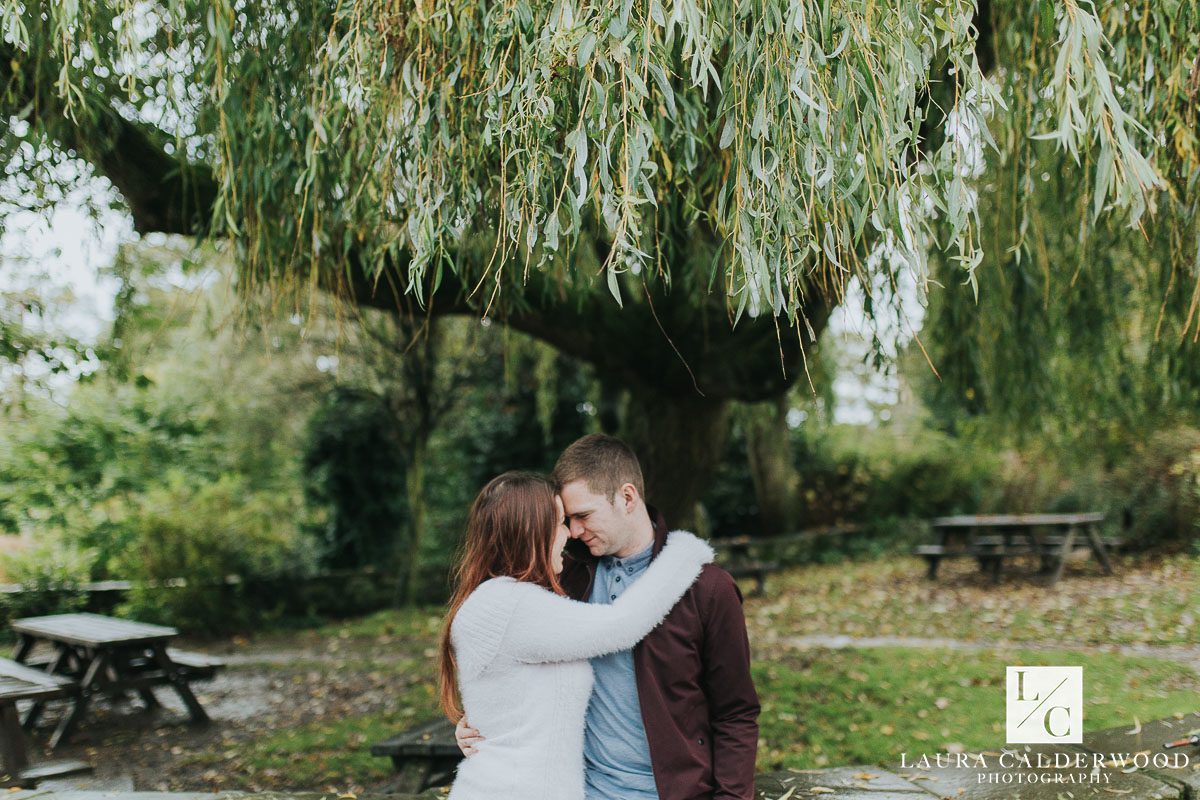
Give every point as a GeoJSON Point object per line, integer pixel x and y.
{"type": "Point", "coordinates": [802, 142]}
{"type": "Point", "coordinates": [676, 191]}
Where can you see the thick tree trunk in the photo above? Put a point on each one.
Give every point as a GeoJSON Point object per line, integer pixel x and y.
{"type": "Point", "coordinates": [679, 440]}
{"type": "Point", "coordinates": [769, 450]}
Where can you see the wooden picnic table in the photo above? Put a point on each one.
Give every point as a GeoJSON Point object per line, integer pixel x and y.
{"type": "Point", "coordinates": [992, 538]}
{"type": "Point", "coordinates": [424, 756]}
{"type": "Point", "coordinates": [113, 656]}
{"type": "Point", "coordinates": [21, 683]}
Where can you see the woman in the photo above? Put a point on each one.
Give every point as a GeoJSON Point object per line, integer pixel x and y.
{"type": "Point", "coordinates": [517, 648]}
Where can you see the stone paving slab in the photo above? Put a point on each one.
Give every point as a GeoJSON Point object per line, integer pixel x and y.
{"type": "Point", "coordinates": [1149, 738]}
{"type": "Point", "coordinates": [1039, 772]}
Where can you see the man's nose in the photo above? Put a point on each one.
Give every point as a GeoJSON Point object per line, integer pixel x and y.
{"type": "Point", "coordinates": [576, 528]}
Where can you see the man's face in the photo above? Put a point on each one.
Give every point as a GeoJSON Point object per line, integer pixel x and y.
{"type": "Point", "coordinates": [600, 523]}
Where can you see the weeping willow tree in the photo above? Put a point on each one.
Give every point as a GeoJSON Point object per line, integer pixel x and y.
{"type": "Point", "coordinates": [677, 191]}
{"type": "Point", "coordinates": [1084, 326]}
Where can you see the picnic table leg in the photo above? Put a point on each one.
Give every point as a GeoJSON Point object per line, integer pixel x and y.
{"type": "Point", "coordinates": [54, 667]}
{"type": "Point", "coordinates": [121, 665]}
{"type": "Point", "coordinates": [1063, 552]}
{"type": "Point", "coordinates": [89, 685]}
{"type": "Point", "coordinates": [32, 714]}
{"type": "Point", "coordinates": [12, 741]}
{"type": "Point", "coordinates": [1045, 562]}
{"type": "Point", "coordinates": [179, 682]}
{"type": "Point", "coordinates": [147, 695]}
{"type": "Point", "coordinates": [1098, 548]}
{"type": "Point", "coordinates": [24, 645]}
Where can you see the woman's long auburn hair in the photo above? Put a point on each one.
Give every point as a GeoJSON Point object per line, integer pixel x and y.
{"type": "Point", "coordinates": [510, 532]}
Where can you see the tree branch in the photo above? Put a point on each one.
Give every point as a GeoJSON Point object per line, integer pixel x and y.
{"type": "Point", "coordinates": [164, 193]}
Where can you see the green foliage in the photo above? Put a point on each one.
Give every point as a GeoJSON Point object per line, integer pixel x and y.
{"type": "Point", "coordinates": [28, 353]}
{"type": "Point", "coordinates": [1156, 489]}
{"type": "Point", "coordinates": [50, 574]}
{"type": "Point", "coordinates": [191, 415]}
{"type": "Point", "coordinates": [354, 465]}
{"type": "Point", "coordinates": [886, 480]}
{"type": "Point", "coordinates": [204, 534]}
{"type": "Point", "coordinates": [81, 470]}
{"type": "Point", "coordinates": [730, 503]}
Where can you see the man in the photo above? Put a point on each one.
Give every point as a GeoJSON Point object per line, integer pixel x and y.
{"type": "Point", "coordinates": [676, 717]}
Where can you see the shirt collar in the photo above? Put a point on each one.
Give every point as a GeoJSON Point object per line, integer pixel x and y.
{"type": "Point", "coordinates": [635, 561]}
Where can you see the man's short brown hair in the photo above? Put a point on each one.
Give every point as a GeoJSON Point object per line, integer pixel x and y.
{"type": "Point", "coordinates": [603, 462]}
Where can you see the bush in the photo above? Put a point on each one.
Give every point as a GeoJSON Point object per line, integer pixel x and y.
{"type": "Point", "coordinates": [203, 534]}
{"type": "Point", "coordinates": [51, 575]}
{"type": "Point", "coordinates": [1156, 491]}
{"type": "Point", "coordinates": [877, 476]}
{"type": "Point", "coordinates": [354, 467]}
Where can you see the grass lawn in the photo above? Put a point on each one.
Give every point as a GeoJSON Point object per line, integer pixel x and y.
{"type": "Point", "coordinates": [865, 706]}
{"type": "Point", "coordinates": [1147, 601]}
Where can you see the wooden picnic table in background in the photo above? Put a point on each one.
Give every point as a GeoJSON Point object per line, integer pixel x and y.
{"type": "Point", "coordinates": [756, 557]}
{"type": "Point", "coordinates": [113, 656]}
{"type": "Point", "coordinates": [992, 538]}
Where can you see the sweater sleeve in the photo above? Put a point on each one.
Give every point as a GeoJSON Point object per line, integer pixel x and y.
{"type": "Point", "coordinates": [546, 627]}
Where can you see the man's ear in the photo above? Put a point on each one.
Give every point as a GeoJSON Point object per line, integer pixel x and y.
{"type": "Point", "coordinates": [629, 497]}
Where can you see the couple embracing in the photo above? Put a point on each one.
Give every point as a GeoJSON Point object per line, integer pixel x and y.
{"type": "Point", "coordinates": [596, 655]}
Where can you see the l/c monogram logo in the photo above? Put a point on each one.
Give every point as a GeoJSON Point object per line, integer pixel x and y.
{"type": "Point", "coordinates": [1044, 705]}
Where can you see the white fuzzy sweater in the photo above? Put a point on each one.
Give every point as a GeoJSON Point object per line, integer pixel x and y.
{"type": "Point", "coordinates": [524, 676]}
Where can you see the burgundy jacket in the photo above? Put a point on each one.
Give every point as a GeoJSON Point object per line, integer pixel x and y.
{"type": "Point", "coordinates": [698, 701]}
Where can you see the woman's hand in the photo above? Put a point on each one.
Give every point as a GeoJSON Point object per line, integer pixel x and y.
{"type": "Point", "coordinates": [467, 737]}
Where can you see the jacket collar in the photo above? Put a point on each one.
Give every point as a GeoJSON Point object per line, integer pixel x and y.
{"type": "Point", "coordinates": [659, 523]}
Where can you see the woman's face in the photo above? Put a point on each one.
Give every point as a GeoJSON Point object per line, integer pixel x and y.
{"type": "Point", "coordinates": [561, 535]}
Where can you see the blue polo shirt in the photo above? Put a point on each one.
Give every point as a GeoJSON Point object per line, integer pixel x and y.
{"type": "Point", "coordinates": [616, 754]}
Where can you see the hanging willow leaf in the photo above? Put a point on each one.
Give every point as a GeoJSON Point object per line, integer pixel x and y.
{"type": "Point", "coordinates": [777, 130]}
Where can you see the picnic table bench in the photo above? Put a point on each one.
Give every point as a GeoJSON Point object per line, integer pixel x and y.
{"type": "Point", "coordinates": [110, 656]}
{"type": "Point", "coordinates": [991, 539]}
{"type": "Point", "coordinates": [19, 682]}
{"type": "Point", "coordinates": [742, 561]}
{"type": "Point", "coordinates": [757, 557]}
{"type": "Point", "coordinates": [423, 757]}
